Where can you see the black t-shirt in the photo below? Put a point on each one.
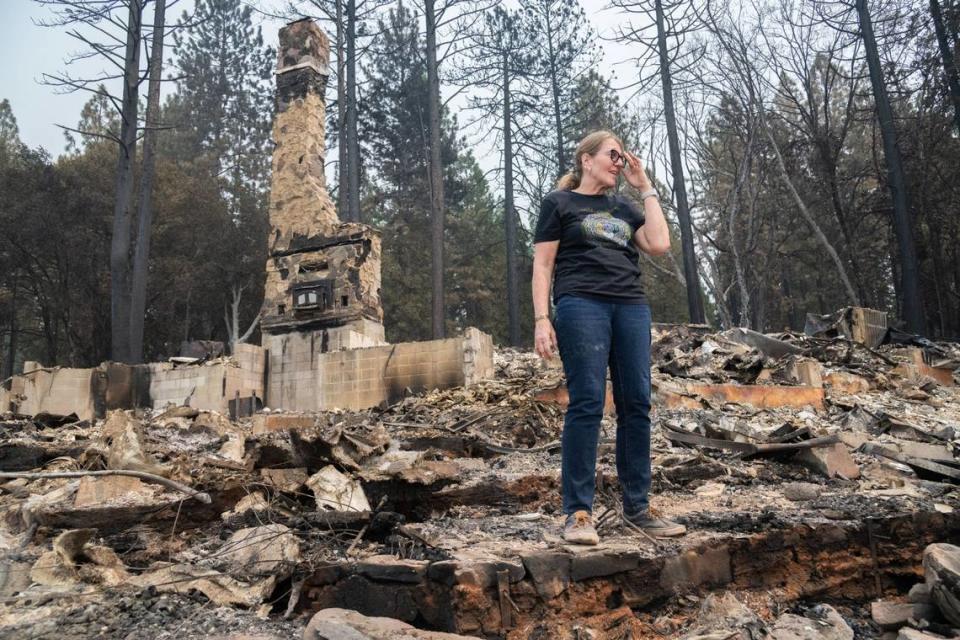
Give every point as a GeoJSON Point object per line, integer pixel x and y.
{"type": "Point", "coordinates": [597, 257]}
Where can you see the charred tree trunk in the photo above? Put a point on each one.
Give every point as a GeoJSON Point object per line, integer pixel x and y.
{"type": "Point", "coordinates": [912, 302]}
{"type": "Point", "coordinates": [12, 338]}
{"type": "Point", "coordinates": [694, 295]}
{"type": "Point", "coordinates": [353, 143]}
{"type": "Point", "coordinates": [509, 215]}
{"type": "Point", "coordinates": [555, 95]}
{"type": "Point", "coordinates": [436, 176]}
{"type": "Point", "coordinates": [141, 254]}
{"type": "Point", "coordinates": [343, 181]}
{"type": "Point", "coordinates": [120, 241]}
{"type": "Point", "coordinates": [949, 66]}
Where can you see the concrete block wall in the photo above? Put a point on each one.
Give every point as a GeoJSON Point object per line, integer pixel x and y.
{"type": "Point", "coordinates": [201, 386]}
{"type": "Point", "coordinates": [209, 386]}
{"type": "Point", "coordinates": [295, 375]}
{"type": "Point", "coordinates": [58, 390]}
{"type": "Point", "coordinates": [248, 377]}
{"type": "Point", "coordinates": [477, 355]}
{"type": "Point", "coordinates": [362, 378]}
{"type": "Point", "coordinates": [293, 360]}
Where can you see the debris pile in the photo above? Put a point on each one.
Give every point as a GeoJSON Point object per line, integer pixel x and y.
{"type": "Point", "coordinates": [817, 477]}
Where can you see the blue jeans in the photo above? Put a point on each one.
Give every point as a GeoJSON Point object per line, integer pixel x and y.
{"type": "Point", "coordinates": [593, 335]}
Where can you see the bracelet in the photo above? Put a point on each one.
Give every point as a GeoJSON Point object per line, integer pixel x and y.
{"type": "Point", "coordinates": [542, 316]}
{"type": "Point", "coordinates": [649, 193]}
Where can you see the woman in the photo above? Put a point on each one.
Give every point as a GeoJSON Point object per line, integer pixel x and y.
{"type": "Point", "coordinates": [587, 242]}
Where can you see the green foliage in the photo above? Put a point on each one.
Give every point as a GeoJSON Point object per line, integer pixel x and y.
{"type": "Point", "coordinates": [564, 51]}
{"type": "Point", "coordinates": [9, 133]}
{"type": "Point", "coordinates": [223, 112]}
{"type": "Point", "coordinates": [596, 105]}
{"type": "Point", "coordinates": [394, 135]}
{"type": "Point", "coordinates": [224, 99]}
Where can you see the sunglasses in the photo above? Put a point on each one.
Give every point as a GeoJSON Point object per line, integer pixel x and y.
{"type": "Point", "coordinates": [618, 158]}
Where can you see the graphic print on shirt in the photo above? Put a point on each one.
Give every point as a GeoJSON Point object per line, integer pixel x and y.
{"type": "Point", "coordinates": [603, 227]}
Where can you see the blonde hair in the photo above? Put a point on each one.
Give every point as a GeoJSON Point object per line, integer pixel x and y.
{"type": "Point", "coordinates": [590, 144]}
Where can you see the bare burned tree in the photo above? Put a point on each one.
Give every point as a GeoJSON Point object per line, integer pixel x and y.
{"type": "Point", "coordinates": [141, 253]}
{"type": "Point", "coordinates": [818, 101]}
{"type": "Point", "coordinates": [498, 57]}
{"type": "Point", "coordinates": [565, 50]}
{"type": "Point", "coordinates": [854, 17]}
{"type": "Point", "coordinates": [742, 65]}
{"type": "Point", "coordinates": [446, 23]}
{"type": "Point", "coordinates": [949, 64]}
{"type": "Point", "coordinates": [671, 23]}
{"type": "Point", "coordinates": [113, 32]}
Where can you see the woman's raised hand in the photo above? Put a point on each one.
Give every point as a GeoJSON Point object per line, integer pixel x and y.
{"type": "Point", "coordinates": [634, 173]}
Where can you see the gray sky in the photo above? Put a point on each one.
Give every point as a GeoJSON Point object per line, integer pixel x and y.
{"type": "Point", "coordinates": [29, 51]}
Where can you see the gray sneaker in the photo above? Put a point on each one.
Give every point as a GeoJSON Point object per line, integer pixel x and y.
{"type": "Point", "coordinates": [655, 526]}
{"type": "Point", "coordinates": [579, 529]}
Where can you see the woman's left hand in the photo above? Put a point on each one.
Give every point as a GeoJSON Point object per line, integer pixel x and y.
{"type": "Point", "coordinates": [634, 173]}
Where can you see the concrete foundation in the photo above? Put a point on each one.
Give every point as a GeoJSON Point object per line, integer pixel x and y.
{"type": "Point", "coordinates": [348, 367]}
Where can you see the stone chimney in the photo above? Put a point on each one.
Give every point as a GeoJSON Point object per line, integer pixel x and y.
{"type": "Point", "coordinates": [299, 202]}
{"type": "Point", "coordinates": [323, 275]}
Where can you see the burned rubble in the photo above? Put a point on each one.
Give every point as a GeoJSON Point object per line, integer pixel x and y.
{"type": "Point", "coordinates": [816, 475]}
{"type": "Point", "coordinates": [373, 490]}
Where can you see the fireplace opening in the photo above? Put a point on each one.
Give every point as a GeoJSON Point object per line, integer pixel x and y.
{"type": "Point", "coordinates": [314, 296]}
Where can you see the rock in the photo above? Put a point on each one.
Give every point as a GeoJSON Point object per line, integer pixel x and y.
{"type": "Point", "coordinates": [906, 633]}
{"type": "Point", "coordinates": [259, 551]}
{"type": "Point", "coordinates": [941, 567]}
{"type": "Point", "coordinates": [125, 435]}
{"type": "Point", "coordinates": [18, 579]}
{"type": "Point", "coordinates": [342, 624]}
{"type": "Point", "coordinates": [73, 560]}
{"type": "Point", "coordinates": [719, 613]}
{"type": "Point", "coordinates": [234, 448]}
{"type": "Point", "coordinates": [333, 490]}
{"type": "Point", "coordinates": [479, 573]}
{"type": "Point", "coordinates": [833, 461]}
{"type": "Point", "coordinates": [822, 622]}
{"type": "Point", "coordinates": [919, 592]}
{"type": "Point", "coordinates": [937, 452]}
{"type": "Point", "coordinates": [800, 491]}
{"type": "Point", "coordinates": [550, 572]}
{"type": "Point", "coordinates": [218, 587]}
{"type": "Point", "coordinates": [893, 615]}
{"type": "Point", "coordinates": [854, 439]}
{"type": "Point", "coordinates": [808, 372]}
{"type": "Point", "coordinates": [69, 544]}
{"type": "Point", "coordinates": [847, 383]}
{"type": "Point", "coordinates": [391, 569]}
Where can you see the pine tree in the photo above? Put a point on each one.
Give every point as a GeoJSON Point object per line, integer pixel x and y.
{"type": "Point", "coordinates": [395, 132]}
{"type": "Point", "coordinates": [564, 45]}
{"type": "Point", "coordinates": [9, 133]}
{"type": "Point", "coordinates": [224, 113]}
{"type": "Point", "coordinates": [225, 97]}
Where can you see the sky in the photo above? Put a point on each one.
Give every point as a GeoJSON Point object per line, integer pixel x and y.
{"type": "Point", "coordinates": [30, 50]}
